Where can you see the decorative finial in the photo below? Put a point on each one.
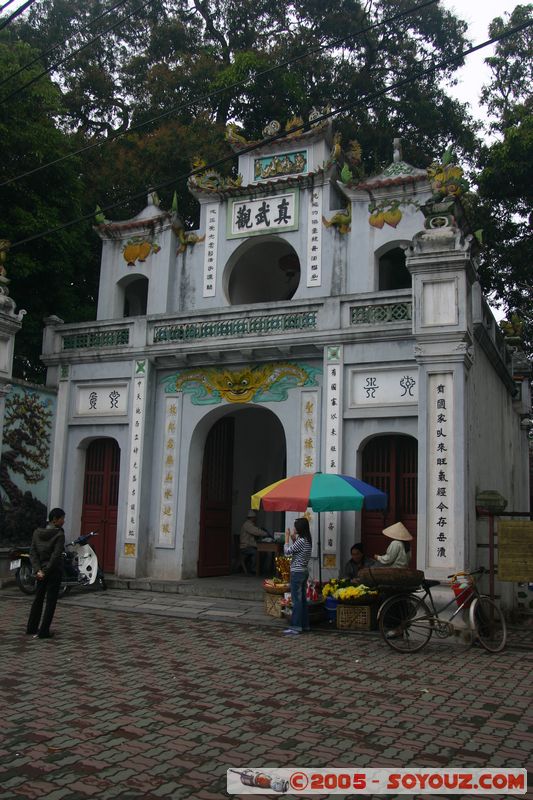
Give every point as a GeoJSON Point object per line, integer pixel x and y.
{"type": "Point", "coordinates": [397, 144]}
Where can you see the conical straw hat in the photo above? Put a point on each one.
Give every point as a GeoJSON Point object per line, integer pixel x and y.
{"type": "Point", "coordinates": [398, 531]}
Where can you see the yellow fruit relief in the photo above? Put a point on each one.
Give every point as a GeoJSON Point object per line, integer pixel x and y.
{"type": "Point", "coordinates": [387, 212]}
{"type": "Point", "coordinates": [138, 250]}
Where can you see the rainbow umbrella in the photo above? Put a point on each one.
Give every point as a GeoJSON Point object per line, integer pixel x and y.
{"type": "Point", "coordinates": [321, 492]}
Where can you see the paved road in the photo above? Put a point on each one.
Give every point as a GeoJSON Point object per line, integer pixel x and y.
{"type": "Point", "coordinates": [130, 704]}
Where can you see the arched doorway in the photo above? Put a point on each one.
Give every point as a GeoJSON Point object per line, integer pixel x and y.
{"type": "Point", "coordinates": [244, 451]}
{"type": "Point", "coordinates": [100, 499]}
{"type": "Point", "coordinates": [391, 464]}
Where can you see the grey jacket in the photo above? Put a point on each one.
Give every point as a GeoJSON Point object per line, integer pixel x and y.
{"type": "Point", "coordinates": [47, 545]}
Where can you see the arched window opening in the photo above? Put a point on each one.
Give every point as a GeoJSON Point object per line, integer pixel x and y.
{"type": "Point", "coordinates": [136, 297]}
{"type": "Point", "coordinates": [265, 270]}
{"type": "Point", "coordinates": [393, 274]}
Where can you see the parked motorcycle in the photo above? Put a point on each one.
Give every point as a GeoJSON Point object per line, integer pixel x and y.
{"type": "Point", "coordinates": [79, 565]}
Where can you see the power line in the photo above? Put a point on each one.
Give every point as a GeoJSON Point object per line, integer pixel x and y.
{"type": "Point", "coordinates": [269, 140]}
{"type": "Point", "coordinates": [6, 5]}
{"type": "Point", "coordinates": [74, 53]}
{"type": "Point", "coordinates": [58, 44]}
{"type": "Point", "coordinates": [15, 14]}
{"type": "Point", "coordinates": [211, 95]}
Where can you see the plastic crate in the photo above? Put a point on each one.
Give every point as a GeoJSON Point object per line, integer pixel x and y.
{"type": "Point", "coordinates": [355, 618]}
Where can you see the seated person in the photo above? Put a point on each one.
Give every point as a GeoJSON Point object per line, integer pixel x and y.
{"type": "Point", "coordinates": [357, 561]}
{"type": "Point", "coordinates": [397, 553]}
{"type": "Point", "coordinates": [249, 535]}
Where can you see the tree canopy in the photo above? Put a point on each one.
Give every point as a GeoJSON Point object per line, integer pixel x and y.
{"type": "Point", "coordinates": [166, 77]}
{"type": "Point", "coordinates": [50, 275]}
{"type": "Point", "coordinates": [505, 187]}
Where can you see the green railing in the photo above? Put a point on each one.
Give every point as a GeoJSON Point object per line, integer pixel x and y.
{"type": "Point", "coordinates": [96, 339]}
{"type": "Point", "coordinates": [235, 327]}
{"type": "Point", "coordinates": [378, 314]}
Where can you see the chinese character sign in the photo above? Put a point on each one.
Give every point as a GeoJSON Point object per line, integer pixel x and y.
{"type": "Point", "coordinates": [387, 387]}
{"type": "Point", "coordinates": [169, 473]}
{"type": "Point", "coordinates": [333, 443]}
{"type": "Point", "coordinates": [314, 238]}
{"type": "Point", "coordinates": [309, 461]}
{"type": "Point", "coordinates": [441, 478]}
{"type": "Point", "coordinates": [102, 400]}
{"type": "Point", "coordinates": [136, 443]}
{"type": "Point", "coordinates": [263, 215]}
{"type": "Point", "coordinates": [210, 256]}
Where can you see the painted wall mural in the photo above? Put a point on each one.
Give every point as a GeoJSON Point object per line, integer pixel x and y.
{"type": "Point", "coordinates": [25, 465]}
{"type": "Point", "coordinates": [252, 384]}
{"type": "Point", "coordinates": [282, 164]}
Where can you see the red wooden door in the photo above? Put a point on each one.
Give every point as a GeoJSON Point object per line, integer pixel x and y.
{"type": "Point", "coordinates": [100, 499]}
{"type": "Point", "coordinates": [391, 464]}
{"type": "Point", "coordinates": [214, 555]}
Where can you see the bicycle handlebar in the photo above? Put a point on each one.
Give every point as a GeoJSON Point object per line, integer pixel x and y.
{"type": "Point", "coordinates": [479, 571]}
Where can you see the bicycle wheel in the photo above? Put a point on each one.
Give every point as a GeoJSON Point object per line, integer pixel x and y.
{"type": "Point", "coordinates": [488, 622]}
{"type": "Point", "coordinates": [406, 623]}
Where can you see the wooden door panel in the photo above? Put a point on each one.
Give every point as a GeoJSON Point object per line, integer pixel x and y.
{"type": "Point", "coordinates": [100, 499]}
{"type": "Point", "coordinates": [391, 464]}
{"type": "Point", "coordinates": [214, 552]}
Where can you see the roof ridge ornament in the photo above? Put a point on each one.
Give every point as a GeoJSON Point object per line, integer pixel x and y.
{"type": "Point", "coordinates": [397, 150]}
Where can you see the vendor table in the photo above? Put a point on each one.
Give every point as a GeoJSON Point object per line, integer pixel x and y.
{"type": "Point", "coordinates": [266, 547]}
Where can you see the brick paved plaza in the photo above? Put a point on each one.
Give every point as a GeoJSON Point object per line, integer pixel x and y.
{"type": "Point", "coordinates": [137, 705]}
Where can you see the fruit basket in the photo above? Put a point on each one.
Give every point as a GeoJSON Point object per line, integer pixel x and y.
{"type": "Point", "coordinates": [273, 587]}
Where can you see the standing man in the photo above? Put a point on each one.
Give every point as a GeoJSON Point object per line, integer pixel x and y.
{"type": "Point", "coordinates": [249, 534]}
{"type": "Point", "coordinates": [47, 546]}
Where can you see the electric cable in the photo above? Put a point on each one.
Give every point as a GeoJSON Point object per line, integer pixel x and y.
{"type": "Point", "coordinates": [269, 140]}
{"type": "Point", "coordinates": [6, 5]}
{"type": "Point", "coordinates": [16, 13]}
{"type": "Point", "coordinates": [74, 53]}
{"type": "Point", "coordinates": [211, 95]}
{"type": "Point", "coordinates": [59, 44]}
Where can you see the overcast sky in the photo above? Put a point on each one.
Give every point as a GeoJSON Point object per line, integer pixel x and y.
{"type": "Point", "coordinates": [478, 14]}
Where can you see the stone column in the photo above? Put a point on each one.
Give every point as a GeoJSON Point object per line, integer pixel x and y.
{"type": "Point", "coordinates": [439, 261]}
{"type": "Point", "coordinates": [130, 555]}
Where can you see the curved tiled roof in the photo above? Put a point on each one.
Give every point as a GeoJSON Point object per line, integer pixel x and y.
{"type": "Point", "coordinates": [379, 182]}
{"type": "Point", "coordinates": [313, 133]}
{"type": "Point", "coordinates": [260, 187]}
{"type": "Point", "coordinates": [115, 228]}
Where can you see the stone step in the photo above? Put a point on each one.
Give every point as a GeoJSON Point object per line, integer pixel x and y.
{"type": "Point", "coordinates": [233, 586]}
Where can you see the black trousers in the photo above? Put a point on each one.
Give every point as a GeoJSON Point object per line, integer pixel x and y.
{"type": "Point", "coordinates": [48, 587]}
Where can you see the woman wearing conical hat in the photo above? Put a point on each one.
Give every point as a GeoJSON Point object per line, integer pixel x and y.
{"type": "Point", "coordinates": [397, 553]}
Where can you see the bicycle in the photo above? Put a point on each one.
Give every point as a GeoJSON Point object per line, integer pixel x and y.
{"type": "Point", "coordinates": [407, 623]}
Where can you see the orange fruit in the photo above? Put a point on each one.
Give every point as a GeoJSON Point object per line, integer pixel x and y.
{"type": "Point", "coordinates": [377, 219]}
{"type": "Point", "coordinates": [144, 250]}
{"type": "Point", "coordinates": [392, 217]}
{"type": "Point", "coordinates": [131, 254]}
